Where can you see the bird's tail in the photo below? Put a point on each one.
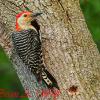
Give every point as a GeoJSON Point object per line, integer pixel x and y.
{"type": "Point", "coordinates": [49, 80]}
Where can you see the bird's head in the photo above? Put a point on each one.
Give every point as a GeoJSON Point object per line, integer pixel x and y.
{"type": "Point", "coordinates": [24, 19]}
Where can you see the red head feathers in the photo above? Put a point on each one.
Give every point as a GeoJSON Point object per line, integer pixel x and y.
{"type": "Point", "coordinates": [19, 15]}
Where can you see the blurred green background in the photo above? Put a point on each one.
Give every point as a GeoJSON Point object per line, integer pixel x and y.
{"type": "Point", "coordinates": [9, 82]}
{"type": "Point", "coordinates": [91, 11]}
{"type": "Point", "coordinates": [8, 77]}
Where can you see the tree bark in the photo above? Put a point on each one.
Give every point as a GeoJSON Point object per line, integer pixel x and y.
{"type": "Point", "coordinates": [69, 51]}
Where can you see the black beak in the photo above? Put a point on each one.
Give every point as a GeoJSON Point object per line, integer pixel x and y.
{"type": "Point", "coordinates": [36, 14]}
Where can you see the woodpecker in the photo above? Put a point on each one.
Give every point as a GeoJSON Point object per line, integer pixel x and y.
{"type": "Point", "coordinates": [27, 44]}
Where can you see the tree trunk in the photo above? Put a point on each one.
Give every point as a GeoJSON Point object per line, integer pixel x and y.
{"type": "Point", "coordinates": [68, 48]}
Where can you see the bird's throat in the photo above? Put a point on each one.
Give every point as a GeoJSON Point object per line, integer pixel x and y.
{"type": "Point", "coordinates": [25, 27]}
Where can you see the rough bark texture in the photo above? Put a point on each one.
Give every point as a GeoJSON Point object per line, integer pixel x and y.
{"type": "Point", "coordinates": [69, 51]}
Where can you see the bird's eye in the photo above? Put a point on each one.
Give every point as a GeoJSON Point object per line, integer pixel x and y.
{"type": "Point", "coordinates": [25, 15]}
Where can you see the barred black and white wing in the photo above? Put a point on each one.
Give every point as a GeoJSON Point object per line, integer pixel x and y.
{"type": "Point", "coordinates": [27, 45]}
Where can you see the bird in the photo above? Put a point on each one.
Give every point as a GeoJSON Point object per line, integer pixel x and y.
{"type": "Point", "coordinates": [28, 45]}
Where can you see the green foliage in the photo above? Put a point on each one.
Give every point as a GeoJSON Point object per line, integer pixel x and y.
{"type": "Point", "coordinates": [9, 80]}
{"type": "Point", "coordinates": [91, 11]}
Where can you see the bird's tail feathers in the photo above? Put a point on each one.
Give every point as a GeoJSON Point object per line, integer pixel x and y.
{"type": "Point", "coordinates": [49, 80]}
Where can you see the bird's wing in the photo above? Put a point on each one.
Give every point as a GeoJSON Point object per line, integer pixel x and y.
{"type": "Point", "coordinates": [28, 46]}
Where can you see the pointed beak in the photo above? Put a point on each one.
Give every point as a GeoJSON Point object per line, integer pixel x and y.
{"type": "Point", "coordinates": [36, 14]}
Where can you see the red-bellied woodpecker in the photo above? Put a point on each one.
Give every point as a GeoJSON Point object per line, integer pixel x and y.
{"type": "Point", "coordinates": [27, 43]}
